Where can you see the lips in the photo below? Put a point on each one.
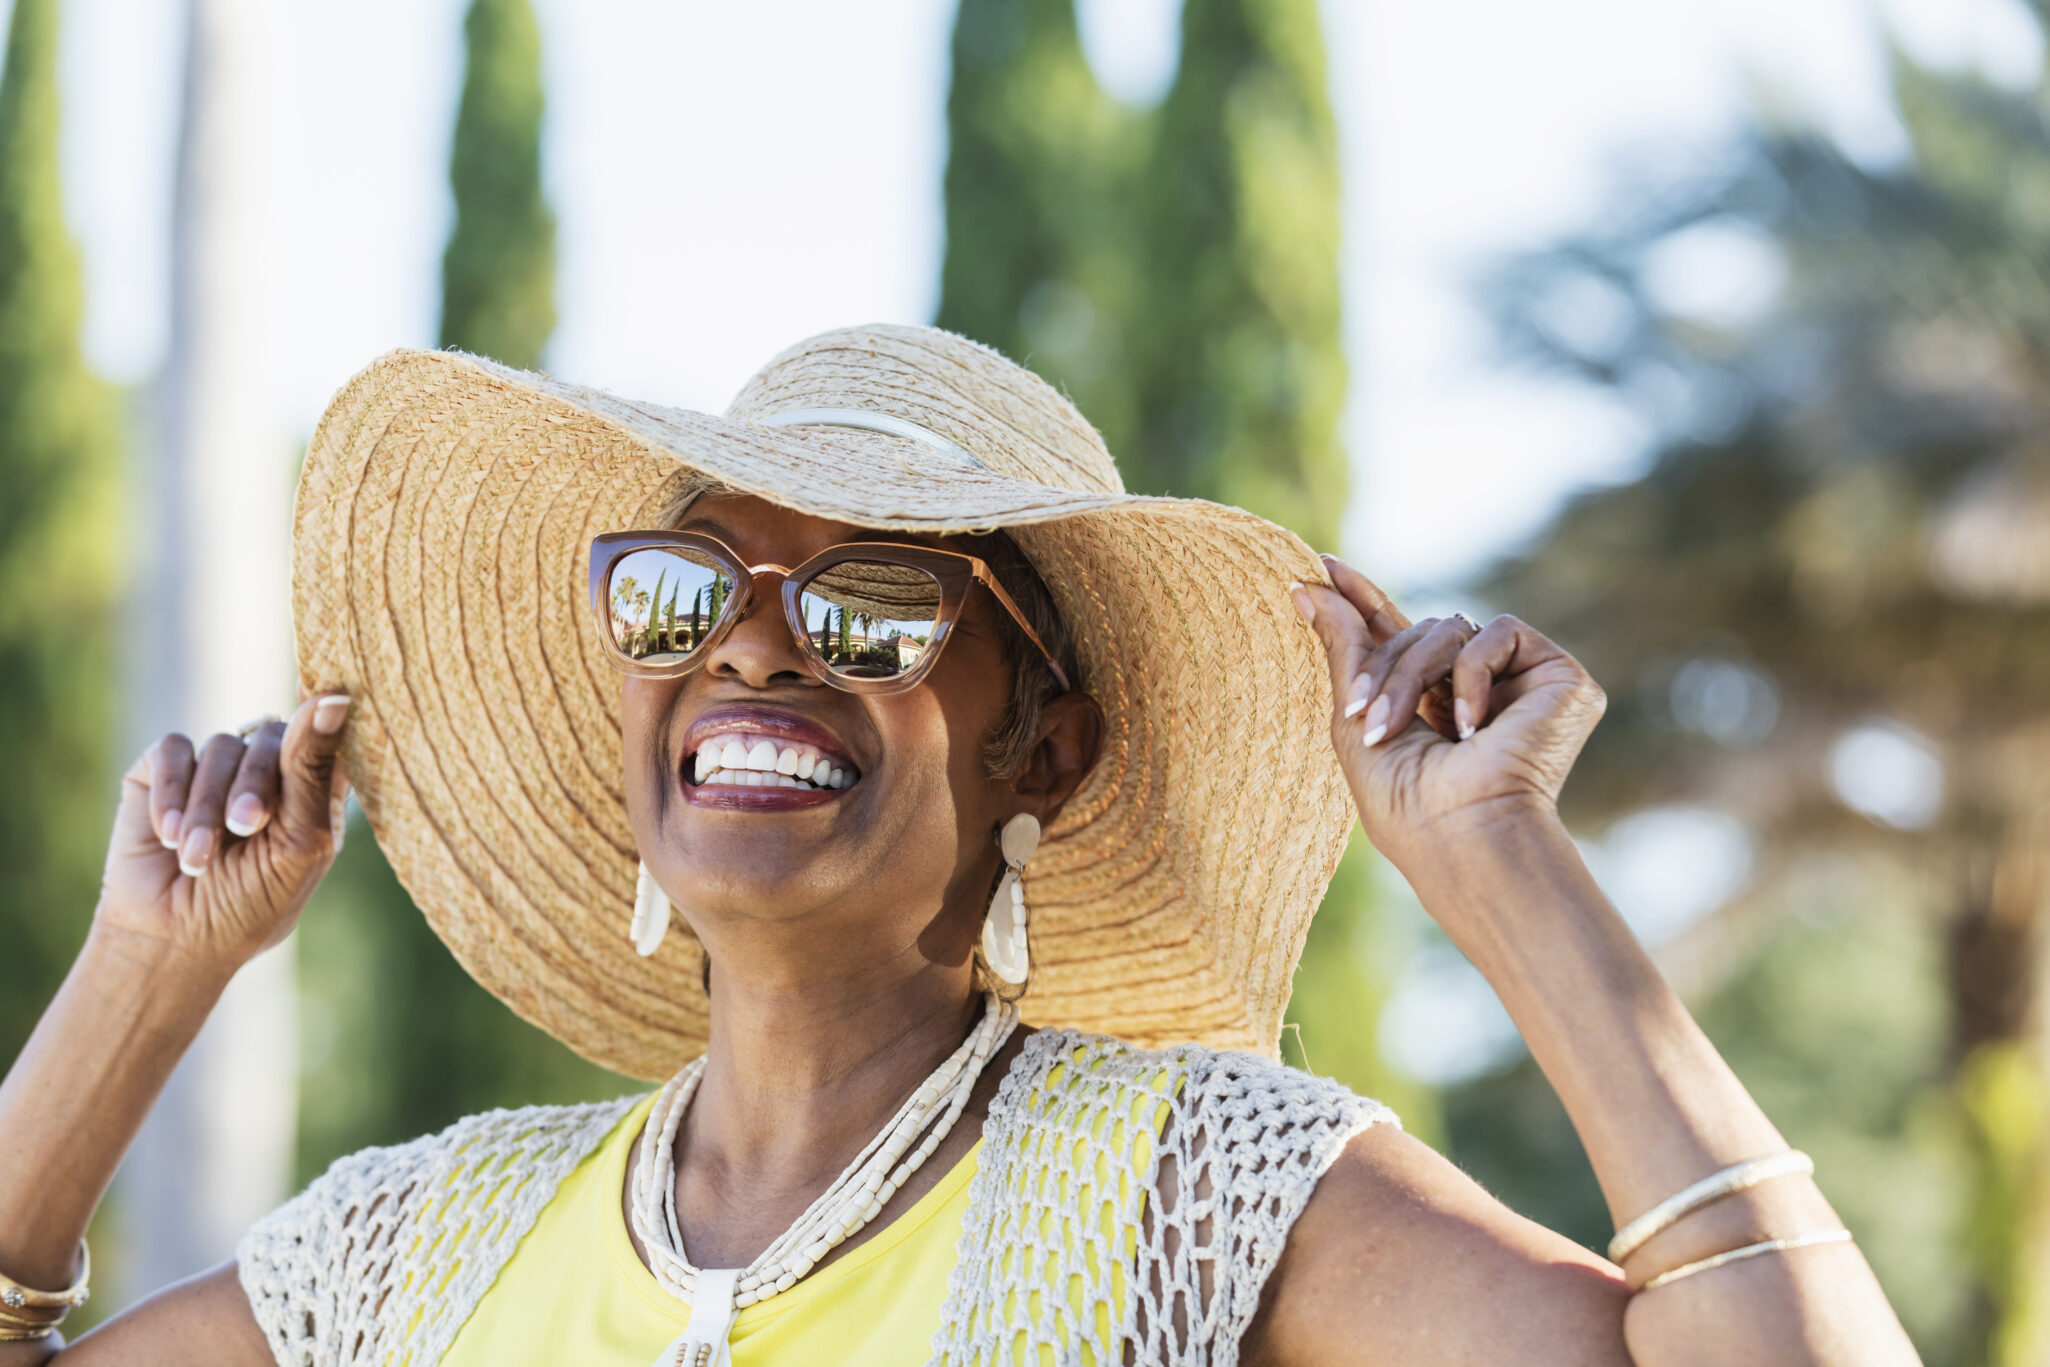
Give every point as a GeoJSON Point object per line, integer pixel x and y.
{"type": "Point", "coordinates": [760, 758]}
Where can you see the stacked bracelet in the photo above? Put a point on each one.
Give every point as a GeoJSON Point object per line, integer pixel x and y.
{"type": "Point", "coordinates": [1731, 1180]}
{"type": "Point", "coordinates": [27, 1314]}
{"type": "Point", "coordinates": [1677, 1207]}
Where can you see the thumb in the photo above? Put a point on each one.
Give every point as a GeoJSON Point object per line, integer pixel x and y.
{"type": "Point", "coordinates": [1341, 630]}
{"type": "Point", "coordinates": [307, 766]}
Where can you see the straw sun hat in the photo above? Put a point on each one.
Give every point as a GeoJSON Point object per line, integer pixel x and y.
{"type": "Point", "coordinates": [440, 547]}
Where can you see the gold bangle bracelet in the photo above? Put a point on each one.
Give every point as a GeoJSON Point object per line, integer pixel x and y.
{"type": "Point", "coordinates": [16, 1298]}
{"type": "Point", "coordinates": [1738, 1255]}
{"type": "Point", "coordinates": [1716, 1186]}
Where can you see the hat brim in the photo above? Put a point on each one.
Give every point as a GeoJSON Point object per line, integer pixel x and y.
{"type": "Point", "coordinates": [440, 547]}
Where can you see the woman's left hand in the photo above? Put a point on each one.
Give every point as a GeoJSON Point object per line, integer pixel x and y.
{"type": "Point", "coordinates": [1431, 768]}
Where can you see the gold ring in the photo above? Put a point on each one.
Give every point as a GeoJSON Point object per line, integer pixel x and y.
{"type": "Point", "coordinates": [250, 728]}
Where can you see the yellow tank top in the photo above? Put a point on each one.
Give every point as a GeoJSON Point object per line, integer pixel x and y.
{"type": "Point", "coordinates": [574, 1291]}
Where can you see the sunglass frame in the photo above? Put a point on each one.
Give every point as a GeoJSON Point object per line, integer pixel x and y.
{"type": "Point", "coordinates": [953, 571]}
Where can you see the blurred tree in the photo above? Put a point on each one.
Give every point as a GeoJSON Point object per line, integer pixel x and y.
{"type": "Point", "coordinates": [1040, 261]}
{"type": "Point", "coordinates": [1825, 608]}
{"type": "Point", "coordinates": [1175, 270]}
{"type": "Point", "coordinates": [58, 428]}
{"type": "Point", "coordinates": [399, 1039]}
{"type": "Point", "coordinates": [498, 275]}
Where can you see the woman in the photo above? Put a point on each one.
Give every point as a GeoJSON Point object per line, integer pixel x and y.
{"type": "Point", "coordinates": [888, 622]}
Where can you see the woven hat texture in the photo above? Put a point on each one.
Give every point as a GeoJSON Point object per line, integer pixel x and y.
{"type": "Point", "coordinates": [440, 550]}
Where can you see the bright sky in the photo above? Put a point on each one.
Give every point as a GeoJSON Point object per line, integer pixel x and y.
{"type": "Point", "coordinates": [731, 178]}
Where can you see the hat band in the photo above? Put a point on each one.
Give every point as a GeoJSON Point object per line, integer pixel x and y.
{"type": "Point", "coordinates": [872, 422]}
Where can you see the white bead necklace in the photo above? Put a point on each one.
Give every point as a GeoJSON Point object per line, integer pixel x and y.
{"type": "Point", "coordinates": [856, 1197]}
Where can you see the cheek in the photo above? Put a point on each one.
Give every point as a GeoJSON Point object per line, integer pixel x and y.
{"type": "Point", "coordinates": [644, 708]}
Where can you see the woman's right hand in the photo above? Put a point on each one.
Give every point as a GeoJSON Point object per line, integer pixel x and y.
{"type": "Point", "coordinates": [215, 851]}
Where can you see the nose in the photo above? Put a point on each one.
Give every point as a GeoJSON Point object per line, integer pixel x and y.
{"type": "Point", "coordinates": [758, 651]}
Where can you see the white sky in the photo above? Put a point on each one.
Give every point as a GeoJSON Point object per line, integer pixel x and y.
{"type": "Point", "coordinates": [730, 178]}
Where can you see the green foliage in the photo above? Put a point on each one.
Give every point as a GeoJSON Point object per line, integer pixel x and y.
{"type": "Point", "coordinates": [57, 459]}
{"type": "Point", "coordinates": [1040, 259]}
{"type": "Point", "coordinates": [498, 275]}
{"type": "Point", "coordinates": [1242, 376]}
{"type": "Point", "coordinates": [398, 1039]}
{"type": "Point", "coordinates": [1846, 506]}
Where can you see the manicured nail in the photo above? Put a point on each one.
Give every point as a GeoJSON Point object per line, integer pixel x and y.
{"type": "Point", "coordinates": [198, 851]}
{"type": "Point", "coordinates": [1303, 603]}
{"type": "Point", "coordinates": [170, 823]}
{"type": "Point", "coordinates": [1462, 717]}
{"type": "Point", "coordinates": [245, 814]}
{"type": "Point", "coordinates": [1356, 706]}
{"type": "Point", "coordinates": [1377, 721]}
{"type": "Point", "coordinates": [330, 712]}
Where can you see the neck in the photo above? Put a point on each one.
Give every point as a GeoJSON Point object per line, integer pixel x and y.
{"type": "Point", "coordinates": [801, 1071]}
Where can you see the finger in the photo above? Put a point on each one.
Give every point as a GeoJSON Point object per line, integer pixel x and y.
{"type": "Point", "coordinates": [307, 769]}
{"type": "Point", "coordinates": [1425, 662]}
{"type": "Point", "coordinates": [1382, 617]}
{"type": "Point", "coordinates": [1338, 626]}
{"type": "Point", "coordinates": [1363, 694]}
{"type": "Point", "coordinates": [206, 805]}
{"type": "Point", "coordinates": [254, 795]}
{"type": "Point", "coordinates": [1488, 658]}
{"type": "Point", "coordinates": [170, 778]}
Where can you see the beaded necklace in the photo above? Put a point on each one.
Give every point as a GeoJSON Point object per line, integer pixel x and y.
{"type": "Point", "coordinates": [855, 1198]}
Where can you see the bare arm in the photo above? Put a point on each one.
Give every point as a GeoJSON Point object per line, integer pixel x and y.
{"type": "Point", "coordinates": [1473, 825]}
{"type": "Point", "coordinates": [163, 945]}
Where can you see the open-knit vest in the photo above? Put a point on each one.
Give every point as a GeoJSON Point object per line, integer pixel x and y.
{"type": "Point", "coordinates": [382, 1259]}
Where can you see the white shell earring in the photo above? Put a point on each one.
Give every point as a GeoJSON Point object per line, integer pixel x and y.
{"type": "Point", "coordinates": [1003, 931]}
{"type": "Point", "coordinates": [651, 915]}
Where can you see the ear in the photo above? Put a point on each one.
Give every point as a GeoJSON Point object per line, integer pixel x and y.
{"type": "Point", "coordinates": [1070, 737]}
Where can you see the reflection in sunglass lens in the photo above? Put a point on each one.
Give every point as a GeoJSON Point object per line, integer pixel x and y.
{"type": "Point", "coordinates": [870, 620]}
{"type": "Point", "coordinates": [664, 601]}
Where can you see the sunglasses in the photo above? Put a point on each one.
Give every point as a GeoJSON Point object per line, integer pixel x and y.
{"type": "Point", "coordinates": [866, 616]}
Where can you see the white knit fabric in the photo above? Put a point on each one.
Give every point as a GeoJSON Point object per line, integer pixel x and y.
{"type": "Point", "coordinates": [1065, 1247]}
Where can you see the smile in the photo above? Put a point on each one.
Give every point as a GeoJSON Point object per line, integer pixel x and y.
{"type": "Point", "coordinates": [743, 759]}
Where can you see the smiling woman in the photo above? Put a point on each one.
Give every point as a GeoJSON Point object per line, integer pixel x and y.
{"type": "Point", "coordinates": [924, 729]}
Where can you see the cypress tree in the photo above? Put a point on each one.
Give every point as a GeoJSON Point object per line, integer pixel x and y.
{"type": "Point", "coordinates": [1038, 262]}
{"type": "Point", "coordinates": [498, 275]}
{"type": "Point", "coordinates": [1241, 374]}
{"type": "Point", "coordinates": [56, 553]}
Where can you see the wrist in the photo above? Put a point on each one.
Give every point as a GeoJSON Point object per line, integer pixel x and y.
{"type": "Point", "coordinates": [171, 973]}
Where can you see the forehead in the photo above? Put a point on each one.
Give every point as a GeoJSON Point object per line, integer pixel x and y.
{"type": "Point", "coordinates": [764, 532]}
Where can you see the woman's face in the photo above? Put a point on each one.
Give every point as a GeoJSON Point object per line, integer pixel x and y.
{"type": "Point", "coordinates": [904, 854]}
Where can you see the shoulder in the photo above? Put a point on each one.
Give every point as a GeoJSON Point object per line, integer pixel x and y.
{"type": "Point", "coordinates": [1399, 1257]}
{"type": "Point", "coordinates": [367, 1230]}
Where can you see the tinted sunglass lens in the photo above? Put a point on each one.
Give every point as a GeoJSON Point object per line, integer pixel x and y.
{"type": "Point", "coordinates": [664, 601]}
{"type": "Point", "coordinates": [868, 619]}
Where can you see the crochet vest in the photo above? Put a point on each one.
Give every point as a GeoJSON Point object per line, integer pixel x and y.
{"type": "Point", "coordinates": [382, 1259]}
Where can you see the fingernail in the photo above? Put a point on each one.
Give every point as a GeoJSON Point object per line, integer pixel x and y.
{"type": "Point", "coordinates": [172, 820]}
{"type": "Point", "coordinates": [1377, 721]}
{"type": "Point", "coordinates": [1356, 706]}
{"type": "Point", "coordinates": [1462, 717]}
{"type": "Point", "coordinates": [245, 814]}
{"type": "Point", "coordinates": [329, 713]}
{"type": "Point", "coordinates": [198, 851]}
{"type": "Point", "coordinates": [1303, 603]}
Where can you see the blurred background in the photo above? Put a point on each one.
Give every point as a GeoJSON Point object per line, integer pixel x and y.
{"type": "Point", "coordinates": [1713, 337]}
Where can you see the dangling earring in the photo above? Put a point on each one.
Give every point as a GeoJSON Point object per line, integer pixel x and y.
{"type": "Point", "coordinates": [651, 915]}
{"type": "Point", "coordinates": [1003, 932]}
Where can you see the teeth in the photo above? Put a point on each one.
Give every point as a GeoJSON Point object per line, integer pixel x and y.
{"type": "Point", "coordinates": [758, 762]}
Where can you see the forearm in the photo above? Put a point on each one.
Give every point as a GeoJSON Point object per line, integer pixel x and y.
{"type": "Point", "coordinates": [74, 1099]}
{"type": "Point", "coordinates": [1656, 1108]}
